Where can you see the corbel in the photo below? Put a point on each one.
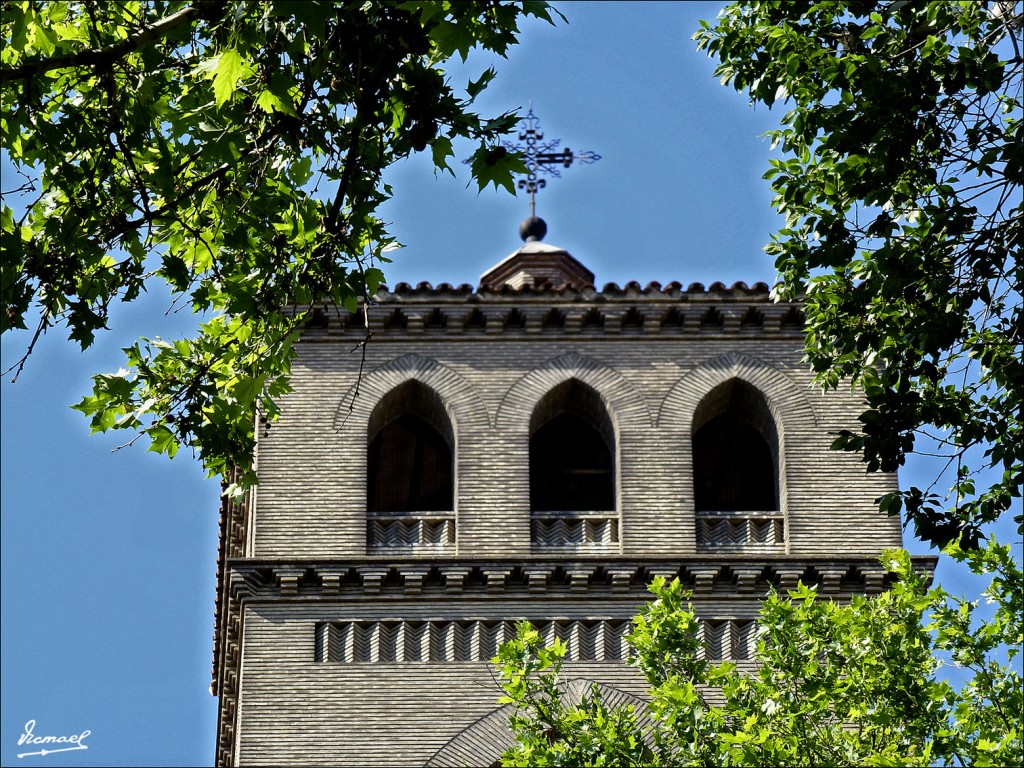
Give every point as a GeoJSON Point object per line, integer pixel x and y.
{"type": "Point", "coordinates": [288, 580]}
{"type": "Point", "coordinates": [454, 579]}
{"type": "Point", "coordinates": [496, 578]}
{"type": "Point", "coordinates": [373, 579]}
{"type": "Point", "coordinates": [413, 576]}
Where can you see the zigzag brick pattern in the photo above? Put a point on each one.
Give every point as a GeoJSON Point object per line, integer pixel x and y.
{"type": "Point", "coordinates": [738, 531]}
{"type": "Point", "coordinates": [592, 532]}
{"type": "Point", "coordinates": [727, 639]}
{"type": "Point", "coordinates": [390, 642]}
{"type": "Point", "coordinates": [426, 532]}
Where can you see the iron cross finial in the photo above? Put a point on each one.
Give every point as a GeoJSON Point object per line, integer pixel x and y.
{"type": "Point", "coordinates": [542, 157]}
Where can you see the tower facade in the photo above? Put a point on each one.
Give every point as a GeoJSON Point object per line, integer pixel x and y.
{"type": "Point", "coordinates": [531, 449]}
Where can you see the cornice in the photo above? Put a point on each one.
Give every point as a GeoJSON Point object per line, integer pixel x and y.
{"type": "Point", "coordinates": [630, 311]}
{"type": "Point", "coordinates": [653, 289]}
{"type": "Point", "coordinates": [743, 575]}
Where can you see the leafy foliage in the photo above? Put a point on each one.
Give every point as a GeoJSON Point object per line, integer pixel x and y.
{"type": "Point", "coordinates": [833, 684]}
{"type": "Point", "coordinates": [901, 183]}
{"type": "Point", "coordinates": [233, 150]}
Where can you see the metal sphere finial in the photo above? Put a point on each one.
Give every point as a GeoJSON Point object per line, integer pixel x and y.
{"type": "Point", "coordinates": [533, 229]}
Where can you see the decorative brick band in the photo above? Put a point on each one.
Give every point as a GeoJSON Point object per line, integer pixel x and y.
{"type": "Point", "coordinates": [594, 530]}
{"type": "Point", "coordinates": [727, 639]}
{"type": "Point", "coordinates": [741, 531]}
{"type": "Point", "coordinates": [441, 642]}
{"type": "Point", "coordinates": [432, 532]}
{"type": "Point", "coordinates": [554, 576]}
{"type": "Point", "coordinates": [631, 311]}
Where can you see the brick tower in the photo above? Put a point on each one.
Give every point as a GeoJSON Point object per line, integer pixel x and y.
{"type": "Point", "coordinates": [533, 449]}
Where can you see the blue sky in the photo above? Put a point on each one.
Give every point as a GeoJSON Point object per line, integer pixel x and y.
{"type": "Point", "coordinates": [108, 558]}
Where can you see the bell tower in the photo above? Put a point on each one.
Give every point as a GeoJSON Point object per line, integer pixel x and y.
{"type": "Point", "coordinates": [535, 449]}
{"type": "Point", "coordinates": [529, 449]}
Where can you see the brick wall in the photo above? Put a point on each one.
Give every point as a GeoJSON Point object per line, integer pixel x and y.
{"type": "Point", "coordinates": [306, 679]}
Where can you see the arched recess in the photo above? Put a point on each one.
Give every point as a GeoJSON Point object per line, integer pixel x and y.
{"type": "Point", "coordinates": [410, 452]}
{"type": "Point", "coordinates": [735, 446]}
{"type": "Point", "coordinates": [612, 408]}
{"type": "Point", "coordinates": [760, 397]}
{"type": "Point", "coordinates": [484, 742]}
{"type": "Point", "coordinates": [430, 403]}
{"type": "Point", "coordinates": [572, 452]}
{"type": "Point", "coordinates": [624, 404]}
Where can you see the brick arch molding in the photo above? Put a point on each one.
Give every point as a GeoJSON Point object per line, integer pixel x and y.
{"type": "Point", "coordinates": [484, 742]}
{"type": "Point", "coordinates": [466, 408]}
{"type": "Point", "coordinates": [626, 407]}
{"type": "Point", "coordinates": [787, 402]}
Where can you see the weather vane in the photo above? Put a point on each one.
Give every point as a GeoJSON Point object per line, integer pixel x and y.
{"type": "Point", "coordinates": [542, 157]}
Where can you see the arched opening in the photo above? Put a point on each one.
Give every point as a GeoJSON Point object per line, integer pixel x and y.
{"type": "Point", "coordinates": [735, 451]}
{"type": "Point", "coordinates": [572, 448]}
{"type": "Point", "coordinates": [409, 468]}
{"type": "Point", "coordinates": [572, 471]}
{"type": "Point", "coordinates": [410, 448]}
{"type": "Point", "coordinates": [409, 457]}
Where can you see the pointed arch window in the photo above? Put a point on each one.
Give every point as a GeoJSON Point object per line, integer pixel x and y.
{"type": "Point", "coordinates": [736, 469]}
{"type": "Point", "coordinates": [410, 494]}
{"type": "Point", "coordinates": [572, 470]}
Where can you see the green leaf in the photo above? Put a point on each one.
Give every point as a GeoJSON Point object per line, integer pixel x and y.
{"type": "Point", "coordinates": [230, 68]}
{"type": "Point", "coordinates": [496, 165]}
{"type": "Point", "coordinates": [269, 101]}
{"type": "Point", "coordinates": [441, 150]}
{"type": "Point", "coordinates": [475, 87]}
{"type": "Point", "coordinates": [162, 440]}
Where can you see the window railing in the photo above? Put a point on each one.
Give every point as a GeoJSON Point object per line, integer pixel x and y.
{"type": "Point", "coordinates": [574, 530]}
{"type": "Point", "coordinates": [740, 530]}
{"type": "Point", "coordinates": [410, 532]}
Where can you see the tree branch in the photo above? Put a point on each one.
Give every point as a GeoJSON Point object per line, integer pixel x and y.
{"type": "Point", "coordinates": [100, 57]}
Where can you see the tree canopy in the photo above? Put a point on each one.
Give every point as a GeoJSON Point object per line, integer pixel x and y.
{"type": "Point", "coordinates": [901, 183]}
{"type": "Point", "coordinates": [831, 684]}
{"type": "Point", "coordinates": [233, 150]}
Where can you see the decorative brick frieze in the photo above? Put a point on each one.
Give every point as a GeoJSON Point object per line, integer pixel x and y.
{"type": "Point", "coordinates": [727, 639]}
{"type": "Point", "coordinates": [396, 641]}
{"type": "Point", "coordinates": [411, 533]}
{"type": "Point", "coordinates": [612, 312]}
{"type": "Point", "coordinates": [597, 576]}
